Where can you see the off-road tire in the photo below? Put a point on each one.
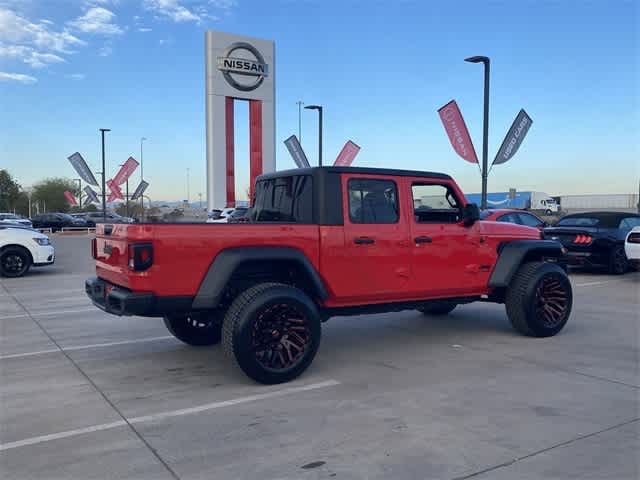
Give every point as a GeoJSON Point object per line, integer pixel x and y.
{"type": "Point", "coordinates": [618, 262]}
{"type": "Point", "coordinates": [198, 330]}
{"type": "Point", "coordinates": [527, 305]}
{"type": "Point", "coordinates": [14, 262]}
{"type": "Point", "coordinates": [243, 337]}
{"type": "Point", "coordinates": [438, 308]}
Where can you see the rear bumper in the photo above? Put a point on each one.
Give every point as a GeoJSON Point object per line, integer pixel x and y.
{"type": "Point", "coordinates": [121, 301]}
{"type": "Point", "coordinates": [577, 258]}
{"type": "Point", "coordinates": [118, 300]}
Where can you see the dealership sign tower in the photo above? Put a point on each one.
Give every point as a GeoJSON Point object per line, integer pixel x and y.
{"type": "Point", "coordinates": [237, 68]}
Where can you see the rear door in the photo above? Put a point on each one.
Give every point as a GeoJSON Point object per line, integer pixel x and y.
{"type": "Point", "coordinates": [376, 240]}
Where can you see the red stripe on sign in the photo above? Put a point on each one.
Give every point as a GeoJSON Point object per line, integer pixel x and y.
{"type": "Point", "coordinates": [125, 172]}
{"type": "Point", "coordinates": [255, 144]}
{"type": "Point", "coordinates": [347, 154]}
{"type": "Point", "coordinates": [230, 151]}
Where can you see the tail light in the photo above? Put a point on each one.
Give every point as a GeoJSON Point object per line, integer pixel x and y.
{"type": "Point", "coordinates": [583, 239]}
{"type": "Point", "coordinates": [140, 256]}
{"type": "Point", "coordinates": [633, 238]}
{"type": "Point", "coordinates": [94, 248]}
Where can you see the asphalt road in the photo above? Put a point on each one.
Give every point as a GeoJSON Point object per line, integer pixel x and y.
{"type": "Point", "coordinates": [85, 395]}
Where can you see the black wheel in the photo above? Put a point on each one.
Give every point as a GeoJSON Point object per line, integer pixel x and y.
{"type": "Point", "coordinates": [438, 308]}
{"type": "Point", "coordinates": [272, 331]}
{"type": "Point", "coordinates": [539, 299]}
{"type": "Point", "coordinates": [618, 262]}
{"type": "Point", "coordinates": [14, 262]}
{"type": "Point", "coordinates": [548, 212]}
{"type": "Point", "coordinates": [198, 329]}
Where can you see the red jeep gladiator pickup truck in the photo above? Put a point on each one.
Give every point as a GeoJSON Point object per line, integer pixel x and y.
{"type": "Point", "coordinates": [326, 242]}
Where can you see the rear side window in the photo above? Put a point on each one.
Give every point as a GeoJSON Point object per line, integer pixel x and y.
{"type": "Point", "coordinates": [284, 199]}
{"type": "Point", "coordinates": [373, 201]}
{"type": "Point", "coordinates": [529, 220]}
{"type": "Point", "coordinates": [578, 222]}
{"type": "Point", "coordinates": [629, 223]}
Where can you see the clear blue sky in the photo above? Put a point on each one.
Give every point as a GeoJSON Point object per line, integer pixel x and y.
{"type": "Point", "coordinates": [380, 68]}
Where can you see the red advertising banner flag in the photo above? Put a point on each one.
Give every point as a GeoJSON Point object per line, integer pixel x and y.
{"type": "Point", "coordinates": [70, 198]}
{"type": "Point", "coordinates": [125, 171]}
{"type": "Point", "coordinates": [347, 154]}
{"type": "Point", "coordinates": [457, 131]}
{"type": "Point", "coordinates": [116, 193]}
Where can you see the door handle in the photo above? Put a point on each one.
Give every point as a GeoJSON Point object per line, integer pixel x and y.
{"type": "Point", "coordinates": [423, 239]}
{"type": "Point", "coordinates": [363, 241]}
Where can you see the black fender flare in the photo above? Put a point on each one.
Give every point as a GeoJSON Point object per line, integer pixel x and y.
{"type": "Point", "coordinates": [226, 262]}
{"type": "Point", "coordinates": [513, 253]}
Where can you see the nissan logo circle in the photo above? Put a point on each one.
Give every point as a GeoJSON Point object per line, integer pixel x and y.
{"type": "Point", "coordinates": [246, 71]}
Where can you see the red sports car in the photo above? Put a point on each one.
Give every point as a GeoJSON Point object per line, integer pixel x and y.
{"type": "Point", "coordinates": [520, 217]}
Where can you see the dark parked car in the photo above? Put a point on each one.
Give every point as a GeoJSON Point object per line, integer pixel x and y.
{"type": "Point", "coordinates": [56, 221]}
{"type": "Point", "coordinates": [595, 238]}
{"type": "Point", "coordinates": [519, 217]}
{"type": "Point", "coordinates": [91, 218]}
{"type": "Point", "coordinates": [240, 215]}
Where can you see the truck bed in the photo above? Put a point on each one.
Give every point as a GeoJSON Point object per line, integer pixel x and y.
{"type": "Point", "coordinates": [182, 253]}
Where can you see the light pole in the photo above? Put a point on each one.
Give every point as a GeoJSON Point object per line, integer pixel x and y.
{"type": "Point", "coordinates": [188, 193]}
{"type": "Point", "coordinates": [200, 204]}
{"type": "Point", "coordinates": [142, 139]}
{"type": "Point", "coordinates": [485, 125]}
{"type": "Point", "coordinates": [300, 103]}
{"type": "Point", "coordinates": [104, 194]}
{"type": "Point", "coordinates": [319, 109]}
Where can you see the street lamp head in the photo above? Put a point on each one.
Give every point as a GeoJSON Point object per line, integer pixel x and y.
{"type": "Point", "coordinates": [105, 129]}
{"type": "Point", "coordinates": [313, 107]}
{"type": "Point", "coordinates": [477, 59]}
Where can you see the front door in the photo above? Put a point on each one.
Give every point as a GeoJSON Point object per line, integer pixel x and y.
{"type": "Point", "coordinates": [376, 240]}
{"type": "Point", "coordinates": [447, 258]}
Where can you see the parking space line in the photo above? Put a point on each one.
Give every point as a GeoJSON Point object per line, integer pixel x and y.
{"type": "Point", "coordinates": [86, 347]}
{"type": "Point", "coordinates": [235, 401]}
{"type": "Point", "coordinates": [589, 284]}
{"type": "Point", "coordinates": [56, 436]}
{"type": "Point", "coordinates": [48, 314]}
{"type": "Point", "coordinates": [169, 414]}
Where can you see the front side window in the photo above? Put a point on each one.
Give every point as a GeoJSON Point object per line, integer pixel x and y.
{"type": "Point", "coordinates": [373, 201]}
{"type": "Point", "coordinates": [284, 199]}
{"type": "Point", "coordinates": [508, 218]}
{"type": "Point", "coordinates": [434, 204]}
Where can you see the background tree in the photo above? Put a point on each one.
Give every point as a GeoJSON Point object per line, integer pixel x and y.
{"type": "Point", "coordinates": [50, 192]}
{"type": "Point", "coordinates": [9, 191]}
{"type": "Point", "coordinates": [21, 204]}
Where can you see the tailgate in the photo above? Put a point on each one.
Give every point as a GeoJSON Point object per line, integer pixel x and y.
{"type": "Point", "coordinates": [111, 252]}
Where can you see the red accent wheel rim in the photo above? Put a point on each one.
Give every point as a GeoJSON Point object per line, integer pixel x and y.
{"type": "Point", "coordinates": [280, 337]}
{"type": "Point", "coordinates": [552, 301]}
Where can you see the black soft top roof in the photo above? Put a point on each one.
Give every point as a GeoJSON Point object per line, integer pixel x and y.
{"type": "Point", "coordinates": [361, 170]}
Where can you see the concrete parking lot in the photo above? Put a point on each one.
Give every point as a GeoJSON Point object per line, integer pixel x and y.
{"type": "Point", "coordinates": [87, 395]}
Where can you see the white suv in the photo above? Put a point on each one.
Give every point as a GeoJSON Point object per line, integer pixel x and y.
{"type": "Point", "coordinates": [21, 248]}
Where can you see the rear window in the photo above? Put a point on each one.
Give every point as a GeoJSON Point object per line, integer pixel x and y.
{"type": "Point", "coordinates": [284, 199]}
{"type": "Point", "coordinates": [578, 222]}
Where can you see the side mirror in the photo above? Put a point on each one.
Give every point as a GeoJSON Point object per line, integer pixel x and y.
{"type": "Point", "coordinates": [470, 214]}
